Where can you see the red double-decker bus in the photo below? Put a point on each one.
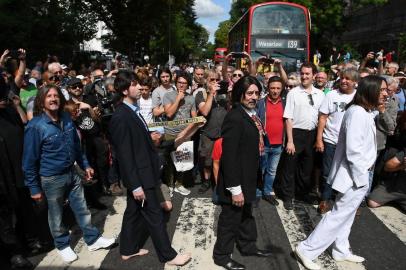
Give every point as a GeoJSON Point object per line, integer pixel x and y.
{"type": "Point", "coordinates": [219, 55]}
{"type": "Point", "coordinates": [277, 29]}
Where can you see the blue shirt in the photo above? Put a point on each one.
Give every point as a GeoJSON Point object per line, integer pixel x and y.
{"type": "Point", "coordinates": [402, 99]}
{"type": "Point", "coordinates": [50, 148]}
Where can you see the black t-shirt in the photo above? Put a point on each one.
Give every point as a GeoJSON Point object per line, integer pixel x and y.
{"type": "Point", "coordinates": [395, 181]}
{"type": "Point", "coordinates": [12, 131]}
{"type": "Point", "coordinates": [87, 126]}
{"type": "Point", "coordinates": [218, 111]}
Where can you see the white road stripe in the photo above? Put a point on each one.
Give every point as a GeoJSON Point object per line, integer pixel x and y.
{"type": "Point", "coordinates": [393, 219]}
{"type": "Point", "coordinates": [87, 259]}
{"type": "Point", "coordinates": [195, 233]}
{"type": "Point", "coordinates": [300, 223]}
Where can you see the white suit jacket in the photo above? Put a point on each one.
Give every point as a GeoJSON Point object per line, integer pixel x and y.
{"type": "Point", "coordinates": [355, 152]}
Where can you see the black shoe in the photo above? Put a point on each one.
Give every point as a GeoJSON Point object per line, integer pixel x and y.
{"type": "Point", "coordinates": [18, 261]}
{"type": "Point", "coordinates": [310, 199]}
{"type": "Point", "coordinates": [232, 265]}
{"type": "Point", "coordinates": [258, 253]}
{"type": "Point", "coordinates": [255, 203]}
{"type": "Point", "coordinates": [97, 205]}
{"type": "Point", "coordinates": [288, 204]}
{"type": "Point", "coordinates": [204, 187]}
{"type": "Point", "coordinates": [271, 199]}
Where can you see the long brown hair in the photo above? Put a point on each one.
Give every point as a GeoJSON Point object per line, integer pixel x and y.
{"type": "Point", "coordinates": [368, 91]}
{"type": "Point", "coordinates": [40, 99]}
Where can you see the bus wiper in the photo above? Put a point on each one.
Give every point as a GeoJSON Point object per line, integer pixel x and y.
{"type": "Point", "coordinates": [283, 54]}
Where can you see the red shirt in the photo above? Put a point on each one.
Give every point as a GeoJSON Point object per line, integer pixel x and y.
{"type": "Point", "coordinates": [217, 149]}
{"type": "Point", "coordinates": [274, 121]}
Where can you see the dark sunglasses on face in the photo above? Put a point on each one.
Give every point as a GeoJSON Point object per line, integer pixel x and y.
{"type": "Point", "coordinates": [237, 74]}
{"type": "Point", "coordinates": [76, 86]}
{"type": "Point", "coordinates": [214, 79]}
{"type": "Point", "coordinates": [54, 78]}
{"type": "Point", "coordinates": [311, 102]}
{"type": "Point", "coordinates": [290, 86]}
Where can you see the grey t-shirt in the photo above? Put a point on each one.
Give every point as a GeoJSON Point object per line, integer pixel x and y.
{"type": "Point", "coordinates": [158, 95]}
{"type": "Point", "coordinates": [186, 106]}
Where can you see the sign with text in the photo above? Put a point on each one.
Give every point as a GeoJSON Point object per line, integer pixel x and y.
{"type": "Point", "coordinates": [261, 43]}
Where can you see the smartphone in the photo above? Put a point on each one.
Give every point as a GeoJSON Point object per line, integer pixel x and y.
{"type": "Point", "coordinates": [238, 55]}
{"type": "Point", "coordinates": [223, 88]}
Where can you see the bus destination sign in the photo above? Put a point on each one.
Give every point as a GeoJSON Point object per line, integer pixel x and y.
{"type": "Point", "coordinates": [277, 43]}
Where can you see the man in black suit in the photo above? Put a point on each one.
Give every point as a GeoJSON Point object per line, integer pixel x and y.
{"type": "Point", "coordinates": [243, 142]}
{"type": "Point", "coordinates": [139, 169]}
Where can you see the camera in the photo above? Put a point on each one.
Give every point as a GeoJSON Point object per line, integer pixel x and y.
{"type": "Point", "coordinates": [14, 54]}
{"type": "Point", "coordinates": [104, 99]}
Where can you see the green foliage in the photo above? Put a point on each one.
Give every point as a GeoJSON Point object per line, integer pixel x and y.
{"type": "Point", "coordinates": [402, 48]}
{"type": "Point", "coordinates": [42, 26]}
{"type": "Point", "coordinates": [221, 35]}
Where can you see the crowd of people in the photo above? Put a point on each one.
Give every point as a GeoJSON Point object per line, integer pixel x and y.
{"type": "Point", "coordinates": [70, 136]}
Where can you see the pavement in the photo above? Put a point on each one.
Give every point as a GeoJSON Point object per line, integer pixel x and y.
{"type": "Point", "coordinates": [379, 235]}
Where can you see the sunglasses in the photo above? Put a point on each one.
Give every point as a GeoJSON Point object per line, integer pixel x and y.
{"type": "Point", "coordinates": [237, 74]}
{"type": "Point", "coordinates": [289, 86]}
{"type": "Point", "coordinates": [214, 80]}
{"type": "Point", "coordinates": [311, 102]}
{"type": "Point", "coordinates": [54, 78]}
{"type": "Point", "coordinates": [76, 86]}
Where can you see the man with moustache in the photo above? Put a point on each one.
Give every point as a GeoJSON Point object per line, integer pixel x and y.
{"type": "Point", "coordinates": [243, 143]}
{"type": "Point", "coordinates": [331, 114]}
{"type": "Point", "coordinates": [139, 169]}
{"type": "Point", "coordinates": [270, 111]}
{"type": "Point", "coordinates": [301, 114]}
{"type": "Point", "coordinates": [51, 147]}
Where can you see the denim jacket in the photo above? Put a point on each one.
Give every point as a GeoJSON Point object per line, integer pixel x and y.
{"type": "Point", "coordinates": [50, 149]}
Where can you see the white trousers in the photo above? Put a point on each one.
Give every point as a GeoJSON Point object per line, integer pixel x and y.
{"type": "Point", "coordinates": [335, 226]}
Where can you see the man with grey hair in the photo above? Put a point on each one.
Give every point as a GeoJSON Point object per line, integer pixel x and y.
{"type": "Point", "coordinates": [55, 70]}
{"type": "Point", "coordinates": [391, 68]}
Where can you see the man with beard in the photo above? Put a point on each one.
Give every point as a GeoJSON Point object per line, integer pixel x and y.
{"type": "Point", "coordinates": [301, 114]}
{"type": "Point", "coordinates": [331, 114]}
{"type": "Point", "coordinates": [243, 143]}
{"type": "Point", "coordinates": [321, 82]}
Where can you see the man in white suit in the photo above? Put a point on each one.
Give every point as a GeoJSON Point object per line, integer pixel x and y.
{"type": "Point", "coordinates": [349, 174]}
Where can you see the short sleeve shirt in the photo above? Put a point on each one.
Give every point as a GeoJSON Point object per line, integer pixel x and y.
{"type": "Point", "coordinates": [158, 95]}
{"type": "Point", "coordinates": [186, 106]}
{"type": "Point", "coordinates": [334, 105]}
{"type": "Point", "coordinates": [303, 108]}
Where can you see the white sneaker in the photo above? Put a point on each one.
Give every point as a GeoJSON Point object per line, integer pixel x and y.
{"type": "Point", "coordinates": [350, 258]}
{"type": "Point", "coordinates": [102, 242]}
{"type": "Point", "coordinates": [309, 264]}
{"type": "Point", "coordinates": [67, 254]}
{"type": "Point", "coordinates": [182, 190]}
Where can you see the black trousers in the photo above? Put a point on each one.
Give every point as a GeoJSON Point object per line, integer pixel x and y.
{"type": "Point", "coordinates": [97, 151]}
{"type": "Point", "coordinates": [8, 237]}
{"type": "Point", "coordinates": [141, 222]}
{"type": "Point", "coordinates": [297, 169]}
{"type": "Point", "coordinates": [236, 225]}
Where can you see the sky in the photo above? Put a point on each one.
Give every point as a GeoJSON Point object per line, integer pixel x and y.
{"type": "Point", "coordinates": [211, 12]}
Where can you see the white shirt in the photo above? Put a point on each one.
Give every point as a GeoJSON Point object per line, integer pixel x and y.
{"type": "Point", "coordinates": [334, 105]}
{"type": "Point", "coordinates": [145, 106]}
{"type": "Point", "coordinates": [302, 109]}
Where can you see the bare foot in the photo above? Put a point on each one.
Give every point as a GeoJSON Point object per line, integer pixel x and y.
{"type": "Point", "coordinates": [180, 259]}
{"type": "Point", "coordinates": [141, 252]}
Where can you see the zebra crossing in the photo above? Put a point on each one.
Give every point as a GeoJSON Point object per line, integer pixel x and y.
{"type": "Point", "coordinates": [379, 235]}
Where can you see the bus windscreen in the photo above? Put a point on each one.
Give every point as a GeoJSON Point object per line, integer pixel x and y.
{"type": "Point", "coordinates": [278, 19]}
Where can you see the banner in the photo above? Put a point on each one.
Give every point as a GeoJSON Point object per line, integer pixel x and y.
{"type": "Point", "coordinates": [174, 123]}
{"type": "Point", "coordinates": [182, 158]}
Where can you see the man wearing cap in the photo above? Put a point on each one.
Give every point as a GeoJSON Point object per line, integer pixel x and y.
{"type": "Point", "coordinates": [93, 137]}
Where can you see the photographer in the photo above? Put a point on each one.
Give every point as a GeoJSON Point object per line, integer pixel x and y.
{"type": "Point", "coordinates": [211, 105]}
{"type": "Point", "coordinates": [13, 62]}
{"type": "Point", "coordinates": [369, 61]}
{"type": "Point", "coordinates": [393, 186]}
{"type": "Point", "coordinates": [94, 139]}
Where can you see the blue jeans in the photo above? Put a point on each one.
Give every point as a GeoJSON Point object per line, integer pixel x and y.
{"type": "Point", "coordinates": [269, 164]}
{"type": "Point", "coordinates": [57, 188]}
{"type": "Point", "coordinates": [328, 155]}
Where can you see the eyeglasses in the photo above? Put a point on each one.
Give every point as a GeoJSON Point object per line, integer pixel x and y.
{"type": "Point", "coordinates": [76, 86]}
{"type": "Point", "coordinates": [237, 74]}
{"type": "Point", "coordinates": [214, 80]}
{"type": "Point", "coordinates": [311, 102]}
{"type": "Point", "coordinates": [54, 78]}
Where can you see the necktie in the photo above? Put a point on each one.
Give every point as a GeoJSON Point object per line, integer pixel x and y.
{"type": "Point", "coordinates": [258, 123]}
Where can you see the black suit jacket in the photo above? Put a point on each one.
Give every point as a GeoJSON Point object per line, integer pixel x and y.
{"type": "Point", "coordinates": [137, 157]}
{"type": "Point", "coordinates": [239, 163]}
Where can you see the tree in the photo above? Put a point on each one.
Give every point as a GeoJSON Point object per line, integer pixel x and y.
{"type": "Point", "coordinates": [221, 35]}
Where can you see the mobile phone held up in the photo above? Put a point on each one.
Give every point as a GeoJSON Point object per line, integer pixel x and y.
{"type": "Point", "coordinates": [237, 54]}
